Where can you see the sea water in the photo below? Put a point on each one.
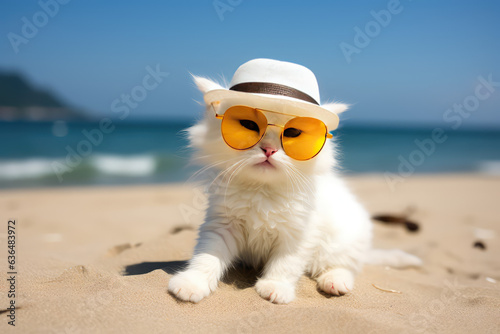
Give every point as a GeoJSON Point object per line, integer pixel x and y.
{"type": "Point", "coordinates": [35, 154]}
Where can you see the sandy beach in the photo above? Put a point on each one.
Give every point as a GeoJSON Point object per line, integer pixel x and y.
{"type": "Point", "coordinates": [98, 260]}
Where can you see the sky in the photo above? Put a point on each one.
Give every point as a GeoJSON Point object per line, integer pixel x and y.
{"type": "Point", "coordinates": [398, 63]}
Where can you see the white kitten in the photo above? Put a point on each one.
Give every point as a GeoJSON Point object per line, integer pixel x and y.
{"type": "Point", "coordinates": [288, 217]}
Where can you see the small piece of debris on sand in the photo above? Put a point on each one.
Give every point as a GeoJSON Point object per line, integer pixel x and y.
{"type": "Point", "coordinates": [480, 245]}
{"type": "Point", "coordinates": [386, 290]}
{"type": "Point", "coordinates": [411, 226]}
{"type": "Point", "coordinates": [491, 280]}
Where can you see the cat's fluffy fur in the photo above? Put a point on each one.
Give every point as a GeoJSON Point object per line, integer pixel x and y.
{"type": "Point", "coordinates": [291, 218]}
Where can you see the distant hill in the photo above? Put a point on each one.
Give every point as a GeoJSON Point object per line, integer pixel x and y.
{"type": "Point", "coordinates": [20, 100]}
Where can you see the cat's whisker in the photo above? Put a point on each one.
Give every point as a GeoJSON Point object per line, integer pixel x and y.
{"type": "Point", "coordinates": [223, 174]}
{"type": "Point", "coordinates": [202, 170]}
{"type": "Point", "coordinates": [288, 178]}
{"type": "Point", "coordinates": [242, 164]}
{"type": "Point", "coordinates": [201, 157]}
{"type": "Point", "coordinates": [306, 181]}
{"type": "Point", "coordinates": [306, 187]}
{"type": "Point", "coordinates": [202, 160]}
{"type": "Point", "coordinates": [291, 180]}
{"type": "Point", "coordinates": [225, 171]}
{"type": "Point", "coordinates": [302, 180]}
{"type": "Point", "coordinates": [210, 166]}
{"type": "Point", "coordinates": [296, 183]}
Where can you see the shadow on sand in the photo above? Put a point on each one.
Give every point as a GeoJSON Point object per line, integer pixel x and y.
{"type": "Point", "coordinates": [240, 276]}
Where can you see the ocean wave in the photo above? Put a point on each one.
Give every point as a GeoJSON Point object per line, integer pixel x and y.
{"type": "Point", "coordinates": [26, 169]}
{"type": "Point", "coordinates": [491, 167]}
{"type": "Point", "coordinates": [125, 165]}
{"type": "Point", "coordinates": [93, 166]}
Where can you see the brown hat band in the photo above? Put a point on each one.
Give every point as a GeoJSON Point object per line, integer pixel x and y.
{"type": "Point", "coordinates": [273, 89]}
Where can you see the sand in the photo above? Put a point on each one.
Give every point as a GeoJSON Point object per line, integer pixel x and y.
{"type": "Point", "coordinates": [98, 260]}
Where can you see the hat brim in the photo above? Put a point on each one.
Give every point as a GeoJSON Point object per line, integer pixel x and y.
{"type": "Point", "coordinates": [282, 104]}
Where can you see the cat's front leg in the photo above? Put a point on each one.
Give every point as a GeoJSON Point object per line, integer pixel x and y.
{"type": "Point", "coordinates": [280, 276]}
{"type": "Point", "coordinates": [213, 254]}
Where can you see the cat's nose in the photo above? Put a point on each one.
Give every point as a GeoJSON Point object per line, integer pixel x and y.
{"type": "Point", "coordinates": [268, 151]}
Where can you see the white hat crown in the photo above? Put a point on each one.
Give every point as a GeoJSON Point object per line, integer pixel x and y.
{"type": "Point", "coordinates": [271, 71]}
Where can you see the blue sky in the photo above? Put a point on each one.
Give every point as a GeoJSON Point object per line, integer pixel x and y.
{"type": "Point", "coordinates": [425, 60]}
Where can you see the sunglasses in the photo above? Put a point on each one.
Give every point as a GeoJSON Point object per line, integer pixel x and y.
{"type": "Point", "coordinates": [302, 138]}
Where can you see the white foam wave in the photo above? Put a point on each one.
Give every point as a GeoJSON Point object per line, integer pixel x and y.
{"type": "Point", "coordinates": [35, 168]}
{"type": "Point", "coordinates": [26, 169]}
{"type": "Point", "coordinates": [140, 165]}
{"type": "Point", "coordinates": [491, 167]}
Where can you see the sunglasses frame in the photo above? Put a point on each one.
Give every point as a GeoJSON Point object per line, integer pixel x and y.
{"type": "Point", "coordinates": [328, 135]}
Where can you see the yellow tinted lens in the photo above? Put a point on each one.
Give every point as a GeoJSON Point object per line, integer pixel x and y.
{"type": "Point", "coordinates": [303, 137]}
{"type": "Point", "coordinates": [243, 127]}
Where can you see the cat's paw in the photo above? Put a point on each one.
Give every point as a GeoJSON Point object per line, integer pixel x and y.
{"type": "Point", "coordinates": [190, 286]}
{"type": "Point", "coordinates": [338, 281]}
{"type": "Point", "coordinates": [278, 292]}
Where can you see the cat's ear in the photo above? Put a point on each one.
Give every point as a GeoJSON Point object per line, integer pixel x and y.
{"type": "Point", "coordinates": [205, 85]}
{"type": "Point", "coordinates": [335, 107]}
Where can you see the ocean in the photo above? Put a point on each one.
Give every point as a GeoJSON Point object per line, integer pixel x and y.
{"type": "Point", "coordinates": [40, 154]}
